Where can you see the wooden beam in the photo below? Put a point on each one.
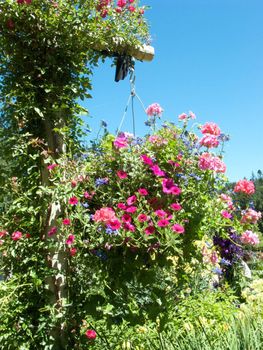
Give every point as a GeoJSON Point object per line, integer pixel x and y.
{"type": "Point", "coordinates": [140, 52]}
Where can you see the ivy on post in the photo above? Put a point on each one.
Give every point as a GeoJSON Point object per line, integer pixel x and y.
{"type": "Point", "coordinates": [48, 50]}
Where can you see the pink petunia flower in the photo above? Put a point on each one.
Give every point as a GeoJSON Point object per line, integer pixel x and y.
{"type": "Point", "coordinates": [163, 223]}
{"type": "Point", "coordinates": [51, 166]}
{"type": "Point", "coordinates": [157, 170]}
{"type": "Point", "coordinates": [53, 230]}
{"type": "Point", "coordinates": [70, 240]}
{"type": "Point", "coordinates": [66, 222]}
{"type": "Point", "coordinates": [16, 235]}
{"type": "Point", "coordinates": [121, 3]}
{"type": "Point", "coordinates": [178, 228]}
{"type": "Point", "coordinates": [128, 227]}
{"type": "Point", "coordinates": [73, 251]}
{"type": "Point", "coordinates": [73, 200]}
{"type": "Point", "coordinates": [126, 218]}
{"type": "Point", "coordinates": [149, 230]}
{"type": "Point", "coordinates": [146, 160]}
{"type": "Point", "coordinates": [142, 217]}
{"type": "Point", "coordinates": [114, 224]}
{"type": "Point", "coordinates": [226, 214]}
{"type": "Point", "coordinates": [91, 334]}
{"type": "Point", "coordinates": [121, 206]}
{"type": "Point", "coordinates": [122, 174]}
{"type": "Point", "coordinates": [176, 206]}
{"type": "Point", "coordinates": [142, 191]}
{"type": "Point", "coordinates": [131, 209]}
{"type": "Point", "coordinates": [131, 200]}
{"type": "Point", "coordinates": [121, 142]}
{"type": "Point", "coordinates": [160, 213]}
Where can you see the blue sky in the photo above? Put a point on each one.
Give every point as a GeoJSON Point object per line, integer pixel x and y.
{"type": "Point", "coordinates": [209, 59]}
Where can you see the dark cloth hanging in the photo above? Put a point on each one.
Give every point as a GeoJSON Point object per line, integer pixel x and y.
{"type": "Point", "coordinates": [123, 64]}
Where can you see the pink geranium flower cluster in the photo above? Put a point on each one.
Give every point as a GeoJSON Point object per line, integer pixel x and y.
{"type": "Point", "coordinates": [249, 237]}
{"type": "Point", "coordinates": [154, 110]}
{"type": "Point", "coordinates": [185, 116]}
{"type": "Point", "coordinates": [250, 216]}
{"type": "Point", "coordinates": [244, 186]}
{"type": "Point", "coordinates": [209, 162]}
{"type": "Point", "coordinates": [211, 132]}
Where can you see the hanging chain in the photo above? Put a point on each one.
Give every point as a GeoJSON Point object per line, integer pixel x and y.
{"type": "Point", "coordinates": [132, 95]}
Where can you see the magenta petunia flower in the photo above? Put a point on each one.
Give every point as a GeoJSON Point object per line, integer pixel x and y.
{"type": "Point", "coordinates": [157, 170]}
{"type": "Point", "coordinates": [51, 166]}
{"type": "Point", "coordinates": [178, 228]}
{"type": "Point", "coordinates": [70, 240]}
{"type": "Point", "coordinates": [160, 213]}
{"type": "Point", "coordinates": [52, 231]}
{"type": "Point", "coordinates": [146, 160]}
{"type": "Point", "coordinates": [91, 334]}
{"type": "Point", "coordinates": [126, 218]}
{"type": "Point", "coordinates": [142, 217]}
{"type": "Point", "coordinates": [66, 222]}
{"type": "Point", "coordinates": [176, 206]}
{"type": "Point", "coordinates": [73, 200]}
{"type": "Point", "coordinates": [149, 230]}
{"type": "Point", "coordinates": [73, 251]}
{"type": "Point", "coordinates": [16, 235]}
{"type": "Point", "coordinates": [226, 214]}
{"type": "Point", "coordinates": [122, 174]}
{"type": "Point", "coordinates": [128, 227]}
{"type": "Point", "coordinates": [142, 191]}
{"type": "Point", "coordinates": [114, 224]}
{"type": "Point", "coordinates": [121, 206]}
{"type": "Point", "coordinates": [131, 200]}
{"type": "Point", "coordinates": [131, 209]}
{"type": "Point", "coordinates": [163, 223]}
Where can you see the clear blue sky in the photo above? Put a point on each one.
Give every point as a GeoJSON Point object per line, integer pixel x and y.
{"type": "Point", "coordinates": [209, 59]}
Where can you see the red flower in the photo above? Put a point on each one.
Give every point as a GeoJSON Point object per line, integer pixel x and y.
{"type": "Point", "coordinates": [149, 230]}
{"type": "Point", "coordinates": [91, 334]}
{"type": "Point", "coordinates": [52, 231]}
{"type": "Point", "coordinates": [73, 200]}
{"type": "Point", "coordinates": [114, 224]}
{"type": "Point", "coordinates": [121, 206]}
{"type": "Point", "coordinates": [122, 174]}
{"type": "Point", "coordinates": [142, 191]}
{"type": "Point", "coordinates": [126, 218]}
{"type": "Point", "coordinates": [10, 24]}
{"type": "Point", "coordinates": [121, 3]}
{"type": "Point", "coordinates": [142, 217]}
{"type": "Point", "coordinates": [73, 251]}
{"type": "Point", "coordinates": [146, 159]}
{"type": "Point", "coordinates": [131, 8]}
{"type": "Point", "coordinates": [16, 235]}
{"type": "Point", "coordinates": [163, 223]}
{"type": "Point", "coordinates": [66, 222]}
